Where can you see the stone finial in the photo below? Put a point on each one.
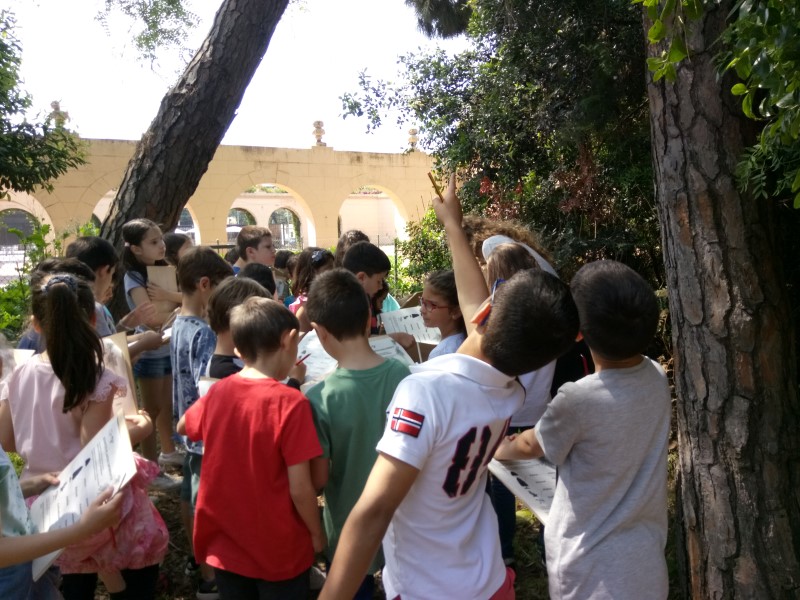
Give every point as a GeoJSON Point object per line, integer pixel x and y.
{"type": "Point", "coordinates": [319, 132]}
{"type": "Point", "coordinates": [412, 138]}
{"type": "Point", "coordinates": [58, 116]}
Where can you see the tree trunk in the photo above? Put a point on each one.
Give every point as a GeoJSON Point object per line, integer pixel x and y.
{"type": "Point", "coordinates": [174, 153]}
{"type": "Point", "coordinates": [735, 374]}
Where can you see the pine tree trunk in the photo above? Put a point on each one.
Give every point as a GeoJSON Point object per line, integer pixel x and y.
{"type": "Point", "coordinates": [735, 371]}
{"type": "Point", "coordinates": [174, 153]}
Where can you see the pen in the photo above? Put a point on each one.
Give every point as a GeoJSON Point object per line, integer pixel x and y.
{"type": "Point", "coordinates": [302, 358]}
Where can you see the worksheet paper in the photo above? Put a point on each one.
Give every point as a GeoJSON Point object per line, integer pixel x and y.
{"type": "Point", "coordinates": [319, 363]}
{"type": "Point", "coordinates": [106, 461]}
{"type": "Point", "coordinates": [409, 320]}
{"type": "Point", "coordinates": [532, 481]}
{"type": "Point", "coordinates": [118, 360]}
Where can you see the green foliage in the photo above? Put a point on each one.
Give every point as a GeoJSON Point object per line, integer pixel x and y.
{"type": "Point", "coordinates": [15, 296]}
{"type": "Point", "coordinates": [546, 119]}
{"type": "Point", "coordinates": [31, 154]}
{"type": "Point", "coordinates": [668, 25]}
{"type": "Point", "coordinates": [763, 48]}
{"type": "Point", "coordinates": [159, 23]}
{"type": "Point", "coordinates": [425, 251]}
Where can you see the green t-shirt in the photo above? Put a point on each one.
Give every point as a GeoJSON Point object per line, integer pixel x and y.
{"type": "Point", "coordinates": [350, 415]}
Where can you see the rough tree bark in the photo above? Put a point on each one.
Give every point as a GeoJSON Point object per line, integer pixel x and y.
{"type": "Point", "coordinates": [174, 153]}
{"type": "Point", "coordinates": [735, 374]}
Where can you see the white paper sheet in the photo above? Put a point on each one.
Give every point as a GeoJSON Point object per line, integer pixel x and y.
{"type": "Point", "coordinates": [320, 364]}
{"type": "Point", "coordinates": [409, 320]}
{"type": "Point", "coordinates": [532, 481]}
{"type": "Point", "coordinates": [106, 461]}
{"type": "Point", "coordinates": [118, 360]}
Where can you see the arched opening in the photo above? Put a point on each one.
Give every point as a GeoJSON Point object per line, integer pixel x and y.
{"type": "Point", "coordinates": [371, 210]}
{"type": "Point", "coordinates": [14, 224]}
{"type": "Point", "coordinates": [279, 209]}
{"type": "Point", "coordinates": [238, 218]}
{"type": "Point", "coordinates": [285, 227]}
{"type": "Point", "coordinates": [186, 225]}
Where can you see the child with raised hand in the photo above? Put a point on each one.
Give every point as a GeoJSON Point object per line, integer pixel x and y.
{"type": "Point", "coordinates": [439, 308]}
{"type": "Point", "coordinates": [350, 404]}
{"type": "Point", "coordinates": [192, 344]}
{"type": "Point", "coordinates": [427, 488]}
{"type": "Point", "coordinates": [144, 246]}
{"type": "Point", "coordinates": [503, 261]}
{"type": "Point", "coordinates": [608, 435]}
{"type": "Point", "coordinates": [52, 406]}
{"type": "Point", "coordinates": [310, 262]}
{"type": "Point", "coordinates": [266, 429]}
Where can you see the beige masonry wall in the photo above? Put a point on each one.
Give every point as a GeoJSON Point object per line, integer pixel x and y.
{"type": "Point", "coordinates": [320, 179]}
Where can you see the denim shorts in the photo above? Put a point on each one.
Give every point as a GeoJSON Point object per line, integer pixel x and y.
{"type": "Point", "coordinates": [192, 465]}
{"type": "Point", "coordinates": [152, 368]}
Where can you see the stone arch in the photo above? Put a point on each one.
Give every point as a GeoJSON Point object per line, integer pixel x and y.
{"type": "Point", "coordinates": [381, 215]}
{"type": "Point", "coordinates": [31, 205]}
{"type": "Point", "coordinates": [286, 227]}
{"type": "Point", "coordinates": [188, 225]}
{"type": "Point", "coordinates": [264, 204]}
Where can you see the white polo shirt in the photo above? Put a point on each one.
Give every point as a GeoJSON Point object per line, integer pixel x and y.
{"type": "Point", "coordinates": [446, 419]}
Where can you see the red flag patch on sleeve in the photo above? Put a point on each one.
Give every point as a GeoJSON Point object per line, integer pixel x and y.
{"type": "Point", "coordinates": [407, 421]}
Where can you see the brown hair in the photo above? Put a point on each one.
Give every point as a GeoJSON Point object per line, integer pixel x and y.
{"type": "Point", "coordinates": [257, 326]}
{"type": "Point", "coordinates": [199, 262]}
{"type": "Point", "coordinates": [250, 237]}
{"type": "Point", "coordinates": [63, 305]}
{"type": "Point", "coordinates": [310, 261]}
{"type": "Point", "coordinates": [507, 259]}
{"type": "Point", "coordinates": [228, 294]}
{"type": "Point", "coordinates": [479, 229]}
{"type": "Point", "coordinates": [347, 239]}
{"type": "Point", "coordinates": [443, 283]}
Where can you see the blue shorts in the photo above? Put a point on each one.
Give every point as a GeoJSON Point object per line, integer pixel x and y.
{"type": "Point", "coordinates": [192, 465]}
{"type": "Point", "coordinates": [152, 368]}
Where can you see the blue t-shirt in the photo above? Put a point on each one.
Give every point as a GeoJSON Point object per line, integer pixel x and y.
{"type": "Point", "coordinates": [448, 345]}
{"type": "Point", "coordinates": [191, 348]}
{"type": "Point", "coordinates": [133, 280]}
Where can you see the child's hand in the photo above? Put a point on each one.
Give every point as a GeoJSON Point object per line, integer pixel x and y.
{"type": "Point", "coordinates": [151, 340]}
{"type": "Point", "coordinates": [33, 486]}
{"type": "Point", "coordinates": [406, 340]}
{"type": "Point", "coordinates": [103, 513]}
{"type": "Point", "coordinates": [319, 541]}
{"type": "Point", "coordinates": [298, 372]}
{"type": "Point", "coordinates": [143, 314]}
{"type": "Point", "coordinates": [504, 449]}
{"type": "Point", "coordinates": [139, 425]}
{"type": "Point", "coordinates": [448, 211]}
{"type": "Point", "coordinates": [155, 292]}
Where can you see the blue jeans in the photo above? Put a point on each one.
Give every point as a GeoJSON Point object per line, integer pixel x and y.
{"type": "Point", "coordinates": [16, 583]}
{"type": "Point", "coordinates": [505, 505]}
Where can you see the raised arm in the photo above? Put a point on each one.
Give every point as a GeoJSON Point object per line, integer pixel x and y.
{"type": "Point", "coordinates": [472, 290]}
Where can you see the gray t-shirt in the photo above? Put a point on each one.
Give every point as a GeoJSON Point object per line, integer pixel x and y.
{"type": "Point", "coordinates": [608, 434]}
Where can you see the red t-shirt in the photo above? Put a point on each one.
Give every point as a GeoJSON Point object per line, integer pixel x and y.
{"type": "Point", "coordinates": [245, 520]}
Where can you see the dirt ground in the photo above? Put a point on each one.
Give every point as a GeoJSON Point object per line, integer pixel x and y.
{"type": "Point", "coordinates": [174, 584]}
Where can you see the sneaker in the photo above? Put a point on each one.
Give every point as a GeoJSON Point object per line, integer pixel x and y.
{"type": "Point", "coordinates": [171, 459]}
{"type": "Point", "coordinates": [207, 590]}
{"type": "Point", "coordinates": [316, 579]}
{"type": "Point", "coordinates": [165, 483]}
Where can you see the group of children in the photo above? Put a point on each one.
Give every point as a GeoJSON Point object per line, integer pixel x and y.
{"type": "Point", "coordinates": [400, 454]}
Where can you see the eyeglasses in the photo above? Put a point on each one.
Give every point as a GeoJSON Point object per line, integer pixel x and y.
{"type": "Point", "coordinates": [428, 305]}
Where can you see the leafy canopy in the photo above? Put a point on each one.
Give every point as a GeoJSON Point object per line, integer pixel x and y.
{"type": "Point", "coordinates": [31, 153]}
{"type": "Point", "coordinates": [545, 118]}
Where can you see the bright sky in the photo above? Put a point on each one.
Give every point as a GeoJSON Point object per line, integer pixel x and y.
{"type": "Point", "coordinates": [315, 55]}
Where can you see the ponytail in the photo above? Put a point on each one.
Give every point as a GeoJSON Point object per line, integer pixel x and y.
{"type": "Point", "coordinates": [63, 306]}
